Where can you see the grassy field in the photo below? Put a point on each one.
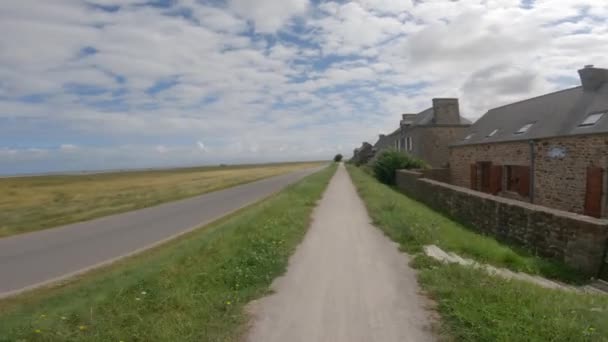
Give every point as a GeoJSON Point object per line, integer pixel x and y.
{"type": "Point", "coordinates": [476, 306]}
{"type": "Point", "coordinates": [34, 203]}
{"type": "Point", "coordinates": [192, 289]}
{"type": "Point", "coordinates": [414, 225]}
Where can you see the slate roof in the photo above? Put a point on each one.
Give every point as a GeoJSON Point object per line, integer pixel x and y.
{"type": "Point", "coordinates": [555, 114]}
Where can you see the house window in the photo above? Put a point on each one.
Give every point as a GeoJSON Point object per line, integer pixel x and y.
{"type": "Point", "coordinates": [402, 142]}
{"type": "Point", "coordinates": [592, 119]}
{"type": "Point", "coordinates": [410, 143]}
{"type": "Point", "coordinates": [492, 133]}
{"type": "Point", "coordinates": [517, 179]}
{"type": "Point", "coordinates": [524, 128]}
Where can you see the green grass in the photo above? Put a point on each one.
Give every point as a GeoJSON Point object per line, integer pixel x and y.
{"type": "Point", "coordinates": [33, 203]}
{"type": "Point", "coordinates": [192, 289]}
{"type": "Point", "coordinates": [414, 225]}
{"type": "Point", "coordinates": [476, 306]}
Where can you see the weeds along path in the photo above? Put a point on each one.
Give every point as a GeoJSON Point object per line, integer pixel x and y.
{"type": "Point", "coordinates": [345, 282]}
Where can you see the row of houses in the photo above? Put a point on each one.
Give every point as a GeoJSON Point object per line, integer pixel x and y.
{"type": "Point", "coordinates": [550, 150]}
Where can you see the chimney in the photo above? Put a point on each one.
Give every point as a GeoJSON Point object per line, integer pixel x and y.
{"type": "Point", "coordinates": [446, 112]}
{"type": "Point", "coordinates": [407, 120]}
{"type": "Point", "coordinates": [381, 136]}
{"type": "Point", "coordinates": [593, 78]}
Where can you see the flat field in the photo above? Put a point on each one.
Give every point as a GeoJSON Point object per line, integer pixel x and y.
{"type": "Point", "coordinates": [34, 203]}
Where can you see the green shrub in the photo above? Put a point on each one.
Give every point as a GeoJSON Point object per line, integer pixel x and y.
{"type": "Point", "coordinates": [338, 158]}
{"type": "Point", "coordinates": [389, 161]}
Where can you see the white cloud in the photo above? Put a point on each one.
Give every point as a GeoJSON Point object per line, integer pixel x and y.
{"type": "Point", "coordinates": [68, 147]}
{"type": "Point", "coordinates": [268, 15]}
{"type": "Point", "coordinates": [309, 77]}
{"type": "Point", "coordinates": [201, 146]}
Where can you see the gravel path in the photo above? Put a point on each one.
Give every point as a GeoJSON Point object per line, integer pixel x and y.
{"type": "Point", "coordinates": [346, 282]}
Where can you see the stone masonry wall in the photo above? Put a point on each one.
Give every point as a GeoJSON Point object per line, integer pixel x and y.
{"type": "Point", "coordinates": [561, 169]}
{"type": "Point", "coordinates": [431, 142]}
{"type": "Point", "coordinates": [576, 240]}
{"type": "Point", "coordinates": [560, 172]}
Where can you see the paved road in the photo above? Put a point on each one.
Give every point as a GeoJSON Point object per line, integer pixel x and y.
{"type": "Point", "coordinates": [346, 282]}
{"type": "Point", "coordinates": [33, 259]}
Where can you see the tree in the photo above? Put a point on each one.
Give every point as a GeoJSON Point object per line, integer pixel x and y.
{"type": "Point", "coordinates": [338, 158]}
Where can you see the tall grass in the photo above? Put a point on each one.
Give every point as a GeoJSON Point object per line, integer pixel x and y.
{"type": "Point", "coordinates": [34, 203]}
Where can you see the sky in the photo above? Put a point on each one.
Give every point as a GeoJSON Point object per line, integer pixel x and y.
{"type": "Point", "coordinates": [110, 84]}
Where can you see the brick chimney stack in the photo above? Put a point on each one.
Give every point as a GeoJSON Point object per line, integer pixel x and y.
{"type": "Point", "coordinates": [593, 78]}
{"type": "Point", "coordinates": [446, 111]}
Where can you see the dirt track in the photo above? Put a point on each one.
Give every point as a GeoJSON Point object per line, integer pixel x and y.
{"type": "Point", "coordinates": [346, 282]}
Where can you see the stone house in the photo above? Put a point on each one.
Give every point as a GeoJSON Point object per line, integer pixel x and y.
{"type": "Point", "coordinates": [550, 150]}
{"type": "Point", "coordinates": [427, 135]}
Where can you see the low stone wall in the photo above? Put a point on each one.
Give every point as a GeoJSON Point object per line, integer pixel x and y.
{"type": "Point", "coordinates": [440, 175]}
{"type": "Point", "coordinates": [576, 240]}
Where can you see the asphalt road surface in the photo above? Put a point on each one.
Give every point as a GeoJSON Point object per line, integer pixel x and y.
{"type": "Point", "coordinates": [39, 258]}
{"type": "Point", "coordinates": [346, 282]}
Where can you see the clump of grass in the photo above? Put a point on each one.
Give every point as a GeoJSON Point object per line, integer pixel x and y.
{"type": "Point", "coordinates": [34, 203]}
{"type": "Point", "coordinates": [476, 306]}
{"type": "Point", "coordinates": [193, 289]}
{"type": "Point", "coordinates": [414, 225]}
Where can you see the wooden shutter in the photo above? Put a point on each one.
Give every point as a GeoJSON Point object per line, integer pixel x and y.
{"type": "Point", "coordinates": [524, 180]}
{"type": "Point", "coordinates": [495, 179]}
{"type": "Point", "coordinates": [593, 197]}
{"type": "Point", "coordinates": [473, 176]}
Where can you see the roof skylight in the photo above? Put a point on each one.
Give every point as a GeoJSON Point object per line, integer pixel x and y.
{"type": "Point", "coordinates": [592, 119]}
{"type": "Point", "coordinates": [492, 133]}
{"type": "Point", "coordinates": [524, 128]}
{"type": "Point", "coordinates": [468, 137]}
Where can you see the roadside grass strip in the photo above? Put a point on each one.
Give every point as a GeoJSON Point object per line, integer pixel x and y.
{"type": "Point", "coordinates": [414, 225]}
{"type": "Point", "coordinates": [33, 203]}
{"type": "Point", "coordinates": [191, 289]}
{"type": "Point", "coordinates": [474, 305]}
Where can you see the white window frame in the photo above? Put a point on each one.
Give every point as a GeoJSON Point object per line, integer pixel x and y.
{"type": "Point", "coordinates": [409, 142]}
{"type": "Point", "coordinates": [525, 128]}
{"type": "Point", "coordinates": [592, 119]}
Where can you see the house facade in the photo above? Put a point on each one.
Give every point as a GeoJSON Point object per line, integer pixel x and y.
{"type": "Point", "coordinates": [550, 150]}
{"type": "Point", "coordinates": [427, 135]}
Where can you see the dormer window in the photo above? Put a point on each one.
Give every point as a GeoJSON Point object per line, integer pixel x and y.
{"type": "Point", "coordinates": [468, 137]}
{"type": "Point", "coordinates": [591, 119]}
{"type": "Point", "coordinates": [492, 133]}
{"type": "Point", "coordinates": [524, 128]}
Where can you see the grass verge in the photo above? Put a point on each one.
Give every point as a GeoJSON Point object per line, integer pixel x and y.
{"type": "Point", "coordinates": [414, 225]}
{"type": "Point", "coordinates": [34, 203]}
{"type": "Point", "coordinates": [476, 306]}
{"type": "Point", "coordinates": [192, 289]}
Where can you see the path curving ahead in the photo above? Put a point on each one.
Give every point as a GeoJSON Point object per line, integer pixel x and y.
{"type": "Point", "coordinates": [346, 282]}
{"type": "Point", "coordinates": [35, 259]}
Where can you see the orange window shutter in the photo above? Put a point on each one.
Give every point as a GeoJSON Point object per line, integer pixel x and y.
{"type": "Point", "coordinates": [593, 195]}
